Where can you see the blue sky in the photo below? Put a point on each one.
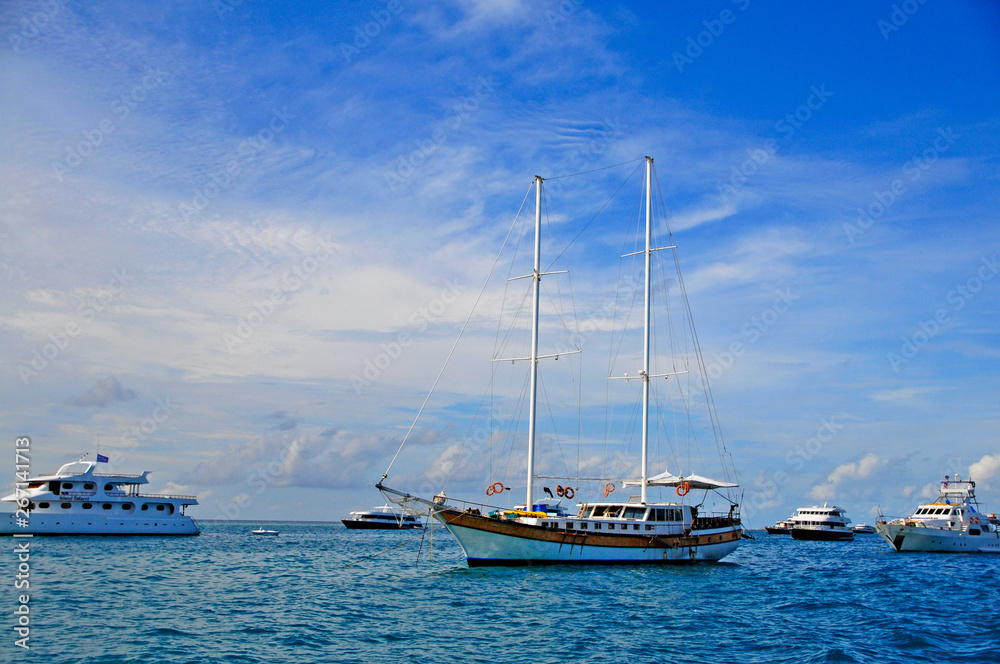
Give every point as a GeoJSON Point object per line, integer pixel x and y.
{"type": "Point", "coordinates": [213, 214]}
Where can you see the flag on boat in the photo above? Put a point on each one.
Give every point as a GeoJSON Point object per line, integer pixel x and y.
{"type": "Point", "coordinates": [102, 459]}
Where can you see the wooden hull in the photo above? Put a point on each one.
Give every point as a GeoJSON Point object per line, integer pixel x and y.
{"type": "Point", "coordinates": [496, 542]}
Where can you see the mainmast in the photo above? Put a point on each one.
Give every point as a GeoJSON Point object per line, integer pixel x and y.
{"type": "Point", "coordinates": [536, 279]}
{"type": "Point", "coordinates": [645, 332]}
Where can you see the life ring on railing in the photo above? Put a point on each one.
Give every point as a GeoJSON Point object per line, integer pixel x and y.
{"type": "Point", "coordinates": [569, 493]}
{"type": "Point", "coordinates": [496, 487]}
{"type": "Point", "coordinates": [560, 491]}
{"type": "Point", "coordinates": [609, 489]}
{"type": "Point", "coordinates": [683, 489]}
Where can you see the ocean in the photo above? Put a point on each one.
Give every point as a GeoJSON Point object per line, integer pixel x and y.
{"type": "Point", "coordinates": [317, 593]}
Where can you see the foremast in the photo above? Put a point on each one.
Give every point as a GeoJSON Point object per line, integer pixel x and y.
{"type": "Point", "coordinates": [536, 278]}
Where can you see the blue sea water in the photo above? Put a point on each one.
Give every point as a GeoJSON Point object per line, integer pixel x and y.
{"type": "Point", "coordinates": [314, 595]}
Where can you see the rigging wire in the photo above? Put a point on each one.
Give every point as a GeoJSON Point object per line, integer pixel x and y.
{"type": "Point", "coordinates": [462, 332]}
{"type": "Point", "coordinates": [603, 168]}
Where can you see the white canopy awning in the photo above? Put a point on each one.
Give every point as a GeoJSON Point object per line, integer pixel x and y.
{"type": "Point", "coordinates": [694, 481]}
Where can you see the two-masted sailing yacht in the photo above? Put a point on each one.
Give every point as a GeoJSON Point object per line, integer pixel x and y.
{"type": "Point", "coordinates": [636, 529]}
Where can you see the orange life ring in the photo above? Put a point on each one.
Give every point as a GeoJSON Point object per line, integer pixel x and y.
{"type": "Point", "coordinates": [569, 493]}
{"type": "Point", "coordinates": [496, 487]}
{"type": "Point", "coordinates": [609, 488]}
{"type": "Point", "coordinates": [683, 489]}
{"type": "Point", "coordinates": [560, 491]}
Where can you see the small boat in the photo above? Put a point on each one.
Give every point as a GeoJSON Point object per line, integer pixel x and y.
{"type": "Point", "coordinates": [779, 528]}
{"type": "Point", "coordinates": [386, 517]}
{"type": "Point", "coordinates": [953, 523]}
{"type": "Point", "coordinates": [827, 524]}
{"type": "Point", "coordinates": [267, 533]}
{"type": "Point", "coordinates": [863, 529]}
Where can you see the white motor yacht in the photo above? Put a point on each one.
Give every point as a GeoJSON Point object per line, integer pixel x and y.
{"type": "Point", "coordinates": [821, 523]}
{"type": "Point", "coordinates": [76, 500]}
{"type": "Point", "coordinates": [953, 523]}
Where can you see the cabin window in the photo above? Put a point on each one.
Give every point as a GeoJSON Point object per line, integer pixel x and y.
{"type": "Point", "coordinates": [127, 506]}
{"type": "Point", "coordinates": [635, 512]}
{"type": "Point", "coordinates": [145, 507]}
{"type": "Point", "coordinates": [611, 526]}
{"type": "Point", "coordinates": [569, 524]}
{"type": "Point", "coordinates": [159, 508]}
{"type": "Point", "coordinates": [88, 506]}
{"type": "Point", "coordinates": [106, 506]}
{"type": "Point", "coordinates": [43, 506]}
{"type": "Point", "coordinates": [109, 487]}
{"type": "Point", "coordinates": [67, 485]}
{"type": "Point", "coordinates": [649, 527]}
{"type": "Point", "coordinates": [635, 526]}
{"type": "Point", "coordinates": [65, 506]}
{"type": "Point", "coordinates": [597, 526]}
{"type": "Point", "coordinates": [89, 486]}
{"type": "Point", "coordinates": [583, 526]}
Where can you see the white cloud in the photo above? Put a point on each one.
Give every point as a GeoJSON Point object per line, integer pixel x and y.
{"type": "Point", "coordinates": [847, 472]}
{"type": "Point", "coordinates": [985, 470]}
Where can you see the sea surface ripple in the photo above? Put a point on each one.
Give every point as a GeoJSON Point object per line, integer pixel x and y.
{"type": "Point", "coordinates": [315, 594]}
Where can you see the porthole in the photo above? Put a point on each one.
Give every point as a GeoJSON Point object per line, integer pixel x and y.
{"type": "Point", "coordinates": [88, 506]}
{"type": "Point", "coordinates": [159, 508]}
{"type": "Point", "coordinates": [65, 506]}
{"type": "Point", "coordinates": [43, 506]}
{"type": "Point", "coordinates": [89, 486]}
{"type": "Point", "coordinates": [144, 507]}
{"type": "Point", "coordinates": [67, 485]}
{"type": "Point", "coordinates": [106, 506]}
{"type": "Point", "coordinates": [109, 487]}
{"type": "Point", "coordinates": [127, 507]}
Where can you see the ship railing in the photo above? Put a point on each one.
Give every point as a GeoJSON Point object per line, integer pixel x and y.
{"type": "Point", "coordinates": [719, 520]}
{"type": "Point", "coordinates": [164, 495]}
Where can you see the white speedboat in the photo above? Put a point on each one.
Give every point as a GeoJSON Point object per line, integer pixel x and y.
{"type": "Point", "coordinates": [265, 533]}
{"type": "Point", "coordinates": [780, 528]}
{"type": "Point", "coordinates": [953, 523]}
{"type": "Point", "coordinates": [386, 517]}
{"type": "Point", "coordinates": [863, 529]}
{"type": "Point", "coordinates": [638, 528]}
{"type": "Point", "coordinates": [821, 523]}
{"type": "Point", "coordinates": [76, 500]}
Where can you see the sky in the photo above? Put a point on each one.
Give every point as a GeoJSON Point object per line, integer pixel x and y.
{"type": "Point", "coordinates": [216, 217]}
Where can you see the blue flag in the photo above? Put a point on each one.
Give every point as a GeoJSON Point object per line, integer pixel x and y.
{"type": "Point", "coordinates": [101, 458]}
